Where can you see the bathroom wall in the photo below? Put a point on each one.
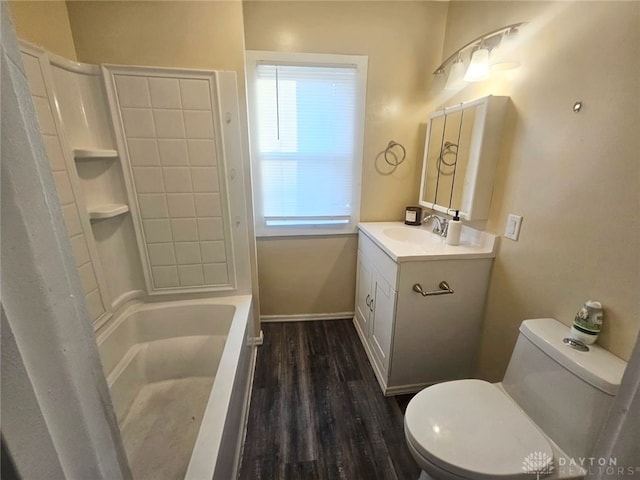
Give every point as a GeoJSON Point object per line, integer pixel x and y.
{"type": "Point", "coordinates": [45, 24]}
{"type": "Point", "coordinates": [207, 35]}
{"type": "Point", "coordinates": [403, 40]}
{"type": "Point", "coordinates": [573, 177]}
{"type": "Point", "coordinates": [190, 34]}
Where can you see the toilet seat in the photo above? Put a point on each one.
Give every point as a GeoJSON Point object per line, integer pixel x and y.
{"type": "Point", "coordinates": [472, 429]}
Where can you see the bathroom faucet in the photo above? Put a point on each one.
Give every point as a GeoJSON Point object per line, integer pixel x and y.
{"type": "Point", "coordinates": [441, 224]}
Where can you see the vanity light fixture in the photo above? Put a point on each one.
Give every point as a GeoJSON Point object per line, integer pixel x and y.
{"type": "Point", "coordinates": [479, 66]}
{"type": "Point", "coordinates": [455, 80]}
{"type": "Point", "coordinates": [506, 54]}
{"type": "Point", "coordinates": [493, 51]}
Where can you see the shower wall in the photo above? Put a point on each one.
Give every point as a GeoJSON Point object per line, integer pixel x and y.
{"type": "Point", "coordinates": [172, 138]}
{"type": "Point", "coordinates": [153, 206]}
{"type": "Point", "coordinates": [67, 183]}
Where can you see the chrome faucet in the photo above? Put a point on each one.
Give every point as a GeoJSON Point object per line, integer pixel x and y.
{"type": "Point", "coordinates": [441, 225]}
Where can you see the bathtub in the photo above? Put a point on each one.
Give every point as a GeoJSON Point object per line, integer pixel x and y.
{"type": "Point", "coordinates": [180, 376]}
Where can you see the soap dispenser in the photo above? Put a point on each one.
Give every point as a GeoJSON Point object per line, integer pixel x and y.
{"type": "Point", "coordinates": [453, 231]}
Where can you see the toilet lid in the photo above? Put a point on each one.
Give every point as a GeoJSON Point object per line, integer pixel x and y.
{"type": "Point", "coordinates": [473, 429]}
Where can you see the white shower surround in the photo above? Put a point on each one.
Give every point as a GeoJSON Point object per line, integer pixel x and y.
{"type": "Point", "coordinates": [172, 341]}
{"type": "Point", "coordinates": [158, 115]}
{"type": "Point", "coordinates": [73, 113]}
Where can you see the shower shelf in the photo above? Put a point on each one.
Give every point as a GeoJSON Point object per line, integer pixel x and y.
{"type": "Point", "coordinates": [110, 210]}
{"type": "Point", "coordinates": [91, 153]}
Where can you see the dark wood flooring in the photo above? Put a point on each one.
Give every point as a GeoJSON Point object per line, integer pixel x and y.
{"type": "Point", "coordinates": [317, 411]}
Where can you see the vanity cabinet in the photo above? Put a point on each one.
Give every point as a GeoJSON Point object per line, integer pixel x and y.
{"type": "Point", "coordinates": [412, 340]}
{"type": "Point", "coordinates": [375, 304]}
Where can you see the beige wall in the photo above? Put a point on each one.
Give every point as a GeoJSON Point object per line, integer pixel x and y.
{"type": "Point", "coordinates": [169, 34]}
{"type": "Point", "coordinates": [402, 40]}
{"type": "Point", "coordinates": [574, 178]}
{"type": "Point", "coordinates": [307, 276]}
{"type": "Point", "coordinates": [45, 24]}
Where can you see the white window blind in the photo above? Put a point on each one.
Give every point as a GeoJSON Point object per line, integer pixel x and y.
{"type": "Point", "coordinates": [306, 147]}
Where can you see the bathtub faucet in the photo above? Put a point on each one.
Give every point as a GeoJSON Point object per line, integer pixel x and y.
{"type": "Point", "coordinates": [441, 225]}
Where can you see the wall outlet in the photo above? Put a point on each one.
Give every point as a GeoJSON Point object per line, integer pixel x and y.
{"type": "Point", "coordinates": [512, 229]}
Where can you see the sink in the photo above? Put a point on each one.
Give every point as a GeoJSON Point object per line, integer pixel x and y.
{"type": "Point", "coordinates": [411, 235]}
{"type": "Point", "coordinates": [405, 243]}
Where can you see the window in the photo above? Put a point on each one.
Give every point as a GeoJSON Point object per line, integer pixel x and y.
{"type": "Point", "coordinates": [306, 122]}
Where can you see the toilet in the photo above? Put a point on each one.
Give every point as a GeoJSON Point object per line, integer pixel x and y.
{"type": "Point", "coordinates": [538, 422]}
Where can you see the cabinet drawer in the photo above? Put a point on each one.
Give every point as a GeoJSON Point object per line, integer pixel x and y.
{"type": "Point", "coordinates": [383, 263]}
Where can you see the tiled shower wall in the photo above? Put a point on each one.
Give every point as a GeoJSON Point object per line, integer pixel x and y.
{"type": "Point", "coordinates": [55, 145]}
{"type": "Point", "coordinates": [179, 185]}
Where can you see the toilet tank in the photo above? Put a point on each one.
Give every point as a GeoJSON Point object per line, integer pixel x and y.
{"type": "Point", "coordinates": [567, 393]}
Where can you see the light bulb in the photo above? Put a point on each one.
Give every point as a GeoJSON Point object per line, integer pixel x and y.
{"type": "Point", "coordinates": [479, 67]}
{"type": "Point", "coordinates": [455, 81]}
{"type": "Point", "coordinates": [506, 55]}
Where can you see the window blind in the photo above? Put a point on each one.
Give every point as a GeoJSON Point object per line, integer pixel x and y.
{"type": "Point", "coordinates": [306, 132]}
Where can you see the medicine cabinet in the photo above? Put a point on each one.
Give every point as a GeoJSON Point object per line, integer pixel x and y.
{"type": "Point", "coordinates": [461, 153]}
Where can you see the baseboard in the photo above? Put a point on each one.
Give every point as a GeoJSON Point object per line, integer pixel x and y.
{"type": "Point", "coordinates": [307, 317]}
{"type": "Point", "coordinates": [406, 389]}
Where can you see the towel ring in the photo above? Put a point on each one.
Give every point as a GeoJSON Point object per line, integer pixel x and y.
{"type": "Point", "coordinates": [392, 144]}
{"type": "Point", "coordinates": [447, 149]}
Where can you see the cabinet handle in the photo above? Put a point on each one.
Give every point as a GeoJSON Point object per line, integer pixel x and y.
{"type": "Point", "coordinates": [445, 289]}
{"type": "Point", "coordinates": [367, 301]}
{"type": "Point", "coordinates": [371, 305]}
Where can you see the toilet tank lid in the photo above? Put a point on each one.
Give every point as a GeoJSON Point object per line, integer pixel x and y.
{"type": "Point", "coordinates": [599, 367]}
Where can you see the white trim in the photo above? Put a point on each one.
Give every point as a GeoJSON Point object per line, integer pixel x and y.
{"type": "Point", "coordinates": [58, 61]}
{"type": "Point", "coordinates": [360, 62]}
{"type": "Point", "coordinates": [126, 297]}
{"type": "Point", "coordinates": [245, 412]}
{"type": "Point", "coordinates": [306, 317]}
{"type": "Point", "coordinates": [259, 340]}
{"type": "Point", "coordinates": [405, 389]}
{"type": "Point", "coordinates": [298, 58]}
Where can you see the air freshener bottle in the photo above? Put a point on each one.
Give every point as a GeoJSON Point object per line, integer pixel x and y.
{"type": "Point", "coordinates": [587, 323]}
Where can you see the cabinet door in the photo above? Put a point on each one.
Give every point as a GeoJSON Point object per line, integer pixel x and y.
{"type": "Point", "coordinates": [364, 295]}
{"type": "Point", "coordinates": [382, 320]}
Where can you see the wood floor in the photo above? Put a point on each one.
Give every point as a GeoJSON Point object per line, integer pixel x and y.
{"type": "Point", "coordinates": [317, 411]}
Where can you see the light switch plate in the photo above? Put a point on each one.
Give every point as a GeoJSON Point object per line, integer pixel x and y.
{"type": "Point", "coordinates": [512, 229]}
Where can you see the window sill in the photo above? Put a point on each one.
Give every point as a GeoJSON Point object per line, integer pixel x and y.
{"type": "Point", "coordinates": [305, 232]}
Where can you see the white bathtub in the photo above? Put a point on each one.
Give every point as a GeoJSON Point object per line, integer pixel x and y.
{"type": "Point", "coordinates": [180, 378]}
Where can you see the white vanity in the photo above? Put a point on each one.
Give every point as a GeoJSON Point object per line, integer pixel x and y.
{"type": "Point", "coordinates": [420, 302]}
{"type": "Point", "coordinates": [415, 339]}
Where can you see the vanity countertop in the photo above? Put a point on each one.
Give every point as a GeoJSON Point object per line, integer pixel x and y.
{"type": "Point", "coordinates": [404, 243]}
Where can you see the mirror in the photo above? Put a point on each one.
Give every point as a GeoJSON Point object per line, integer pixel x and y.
{"type": "Point", "coordinates": [461, 151]}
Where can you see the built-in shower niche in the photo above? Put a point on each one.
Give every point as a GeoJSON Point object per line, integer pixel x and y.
{"type": "Point", "coordinates": [97, 170]}
{"type": "Point", "coordinates": [100, 174]}
{"type": "Point", "coordinates": [101, 180]}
